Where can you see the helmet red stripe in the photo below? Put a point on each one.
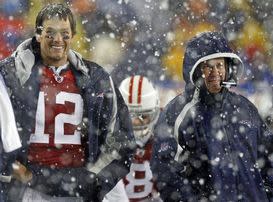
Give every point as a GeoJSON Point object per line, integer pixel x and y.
{"type": "Point", "coordinates": [139, 90]}
{"type": "Point", "coordinates": [130, 99]}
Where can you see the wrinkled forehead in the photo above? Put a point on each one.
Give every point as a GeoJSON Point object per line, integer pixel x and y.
{"type": "Point", "coordinates": [56, 23]}
{"type": "Point", "coordinates": [215, 61]}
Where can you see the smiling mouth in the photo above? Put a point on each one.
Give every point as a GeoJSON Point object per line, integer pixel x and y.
{"type": "Point", "coordinates": [214, 80]}
{"type": "Point", "coordinates": [57, 48]}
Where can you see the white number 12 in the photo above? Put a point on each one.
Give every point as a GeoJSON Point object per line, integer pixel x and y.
{"type": "Point", "coordinates": [60, 137]}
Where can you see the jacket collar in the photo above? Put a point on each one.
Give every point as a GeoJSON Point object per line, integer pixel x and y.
{"type": "Point", "coordinates": [209, 99]}
{"type": "Point", "coordinates": [25, 61]}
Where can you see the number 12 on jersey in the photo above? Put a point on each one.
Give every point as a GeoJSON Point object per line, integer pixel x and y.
{"type": "Point", "coordinates": [75, 118]}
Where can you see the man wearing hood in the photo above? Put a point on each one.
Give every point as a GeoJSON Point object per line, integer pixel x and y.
{"type": "Point", "coordinates": [76, 136]}
{"type": "Point", "coordinates": [210, 143]}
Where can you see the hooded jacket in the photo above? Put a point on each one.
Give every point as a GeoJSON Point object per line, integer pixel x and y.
{"type": "Point", "coordinates": [211, 146]}
{"type": "Point", "coordinates": [110, 137]}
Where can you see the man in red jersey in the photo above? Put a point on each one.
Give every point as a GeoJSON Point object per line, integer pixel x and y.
{"type": "Point", "coordinates": [142, 100]}
{"type": "Point", "coordinates": [73, 120]}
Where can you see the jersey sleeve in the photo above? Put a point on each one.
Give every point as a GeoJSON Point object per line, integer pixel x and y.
{"type": "Point", "coordinates": [118, 193]}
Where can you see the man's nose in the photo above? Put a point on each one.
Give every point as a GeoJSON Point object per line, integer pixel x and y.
{"type": "Point", "coordinates": [214, 70]}
{"type": "Point", "coordinates": [57, 36]}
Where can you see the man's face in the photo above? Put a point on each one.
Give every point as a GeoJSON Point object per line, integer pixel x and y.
{"type": "Point", "coordinates": [55, 41]}
{"type": "Point", "coordinates": [214, 72]}
{"type": "Point", "coordinates": [140, 120]}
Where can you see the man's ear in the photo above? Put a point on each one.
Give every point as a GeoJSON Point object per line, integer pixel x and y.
{"type": "Point", "coordinates": [38, 37]}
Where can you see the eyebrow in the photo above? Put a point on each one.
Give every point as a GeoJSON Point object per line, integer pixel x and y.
{"type": "Point", "coordinates": [218, 62]}
{"type": "Point", "coordinates": [62, 29]}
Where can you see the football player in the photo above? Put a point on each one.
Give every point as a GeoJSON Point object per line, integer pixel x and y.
{"type": "Point", "coordinates": [73, 120]}
{"type": "Point", "coordinates": [142, 100]}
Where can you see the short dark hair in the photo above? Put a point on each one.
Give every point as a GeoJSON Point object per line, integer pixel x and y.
{"type": "Point", "coordinates": [54, 10]}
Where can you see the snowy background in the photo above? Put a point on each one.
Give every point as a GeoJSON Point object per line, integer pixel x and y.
{"type": "Point", "coordinates": [148, 37]}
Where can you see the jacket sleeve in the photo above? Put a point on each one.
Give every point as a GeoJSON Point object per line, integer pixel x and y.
{"type": "Point", "coordinates": [168, 173]}
{"type": "Point", "coordinates": [9, 141]}
{"type": "Point", "coordinates": [9, 134]}
{"type": "Point", "coordinates": [112, 145]}
{"type": "Point", "coordinates": [265, 156]}
{"type": "Point", "coordinates": [264, 147]}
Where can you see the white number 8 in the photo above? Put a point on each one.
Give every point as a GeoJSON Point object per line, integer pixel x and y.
{"type": "Point", "coordinates": [145, 182]}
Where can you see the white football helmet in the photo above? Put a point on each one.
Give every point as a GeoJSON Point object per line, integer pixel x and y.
{"type": "Point", "coordinates": [142, 100]}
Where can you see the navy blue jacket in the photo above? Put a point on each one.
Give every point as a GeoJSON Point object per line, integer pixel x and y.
{"type": "Point", "coordinates": [211, 146]}
{"type": "Point", "coordinates": [110, 137]}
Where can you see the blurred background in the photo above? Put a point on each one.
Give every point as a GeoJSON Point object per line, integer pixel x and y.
{"type": "Point", "coordinates": [148, 37]}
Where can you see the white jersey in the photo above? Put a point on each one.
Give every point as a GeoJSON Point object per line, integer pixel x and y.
{"type": "Point", "coordinates": [9, 134]}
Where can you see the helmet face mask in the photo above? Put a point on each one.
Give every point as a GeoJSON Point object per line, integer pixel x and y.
{"type": "Point", "coordinates": [142, 120]}
{"type": "Point", "coordinates": [143, 102]}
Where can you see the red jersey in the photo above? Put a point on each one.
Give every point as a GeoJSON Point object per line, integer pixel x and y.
{"type": "Point", "coordinates": [139, 181]}
{"type": "Point", "coordinates": [56, 140]}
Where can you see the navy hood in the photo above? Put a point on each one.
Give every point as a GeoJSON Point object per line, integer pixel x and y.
{"type": "Point", "coordinates": [206, 46]}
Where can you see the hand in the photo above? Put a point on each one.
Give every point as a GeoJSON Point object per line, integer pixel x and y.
{"type": "Point", "coordinates": [21, 173]}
